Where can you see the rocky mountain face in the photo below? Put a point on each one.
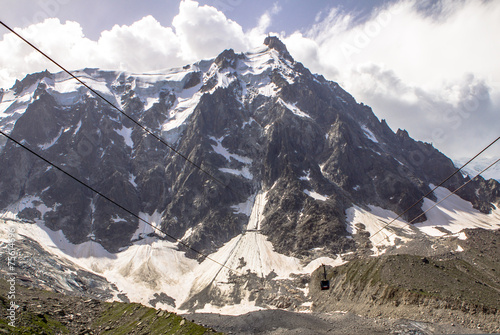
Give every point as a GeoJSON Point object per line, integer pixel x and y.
{"type": "Point", "coordinates": [269, 170]}
{"type": "Point", "coordinates": [258, 121]}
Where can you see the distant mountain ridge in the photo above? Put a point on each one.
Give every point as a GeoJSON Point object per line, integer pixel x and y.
{"type": "Point", "coordinates": [478, 165]}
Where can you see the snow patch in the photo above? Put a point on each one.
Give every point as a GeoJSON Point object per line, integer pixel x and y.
{"type": "Point", "coordinates": [150, 102]}
{"type": "Point", "coordinates": [243, 308]}
{"type": "Point", "coordinates": [77, 127]}
{"type": "Point", "coordinates": [244, 172]}
{"type": "Point", "coordinates": [225, 78]}
{"type": "Point", "coordinates": [118, 219]}
{"type": "Point", "coordinates": [256, 216]}
{"type": "Point", "coordinates": [30, 201]}
{"type": "Point", "coordinates": [131, 179]}
{"type": "Point", "coordinates": [145, 268]}
{"type": "Point", "coordinates": [187, 234]}
{"type": "Point", "coordinates": [145, 229]}
{"type": "Point", "coordinates": [244, 207]}
{"type": "Point", "coordinates": [52, 142]}
{"type": "Point", "coordinates": [67, 90]}
{"type": "Point", "coordinates": [369, 134]}
{"type": "Point", "coordinates": [257, 254]}
{"type": "Point", "coordinates": [375, 220]}
{"type": "Point", "coordinates": [294, 109]}
{"type": "Point", "coordinates": [126, 133]}
{"type": "Point", "coordinates": [307, 176]}
{"type": "Point", "coordinates": [247, 123]}
{"type": "Point", "coordinates": [219, 149]}
{"type": "Point", "coordinates": [269, 90]}
{"type": "Point", "coordinates": [316, 195]}
{"type": "Point", "coordinates": [180, 113]}
{"type": "Point", "coordinates": [151, 265]}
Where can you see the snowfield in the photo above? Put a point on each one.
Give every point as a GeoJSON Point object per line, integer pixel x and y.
{"type": "Point", "coordinates": [152, 265]}
{"type": "Point", "coordinates": [455, 214]}
{"type": "Point", "coordinates": [446, 219]}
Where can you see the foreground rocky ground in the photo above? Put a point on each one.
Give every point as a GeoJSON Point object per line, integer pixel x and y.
{"type": "Point", "coordinates": [461, 288]}
{"type": "Point", "coordinates": [422, 287]}
{"type": "Point", "coordinates": [280, 322]}
{"type": "Point", "coordinates": [45, 312]}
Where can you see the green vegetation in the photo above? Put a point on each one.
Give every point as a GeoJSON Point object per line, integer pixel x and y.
{"type": "Point", "coordinates": [37, 324]}
{"type": "Point", "coordinates": [44, 312]}
{"type": "Point", "coordinates": [122, 318]}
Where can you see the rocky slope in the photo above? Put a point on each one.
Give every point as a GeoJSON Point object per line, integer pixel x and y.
{"type": "Point", "coordinates": [461, 288]}
{"type": "Point", "coordinates": [44, 312]}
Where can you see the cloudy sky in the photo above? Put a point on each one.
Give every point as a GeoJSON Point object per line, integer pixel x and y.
{"type": "Point", "coordinates": [428, 66]}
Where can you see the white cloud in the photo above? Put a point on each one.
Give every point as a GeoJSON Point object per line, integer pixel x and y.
{"type": "Point", "coordinates": [143, 46]}
{"type": "Point", "coordinates": [197, 32]}
{"type": "Point", "coordinates": [257, 34]}
{"type": "Point", "coordinates": [135, 48]}
{"type": "Point", "coordinates": [205, 31]}
{"type": "Point", "coordinates": [17, 58]}
{"type": "Point", "coordinates": [436, 75]}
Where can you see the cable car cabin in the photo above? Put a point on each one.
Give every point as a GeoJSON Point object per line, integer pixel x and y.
{"type": "Point", "coordinates": [325, 285]}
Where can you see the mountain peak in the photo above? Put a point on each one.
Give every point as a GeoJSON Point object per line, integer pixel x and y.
{"type": "Point", "coordinates": [273, 42]}
{"type": "Point", "coordinates": [228, 58]}
{"type": "Point", "coordinates": [29, 80]}
{"type": "Point", "coordinates": [403, 133]}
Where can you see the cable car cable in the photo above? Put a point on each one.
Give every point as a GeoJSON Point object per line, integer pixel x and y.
{"type": "Point", "coordinates": [452, 193]}
{"type": "Point", "coordinates": [436, 187]}
{"type": "Point", "coordinates": [449, 195]}
{"type": "Point", "coordinates": [115, 203]}
{"type": "Point", "coordinates": [144, 128]}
